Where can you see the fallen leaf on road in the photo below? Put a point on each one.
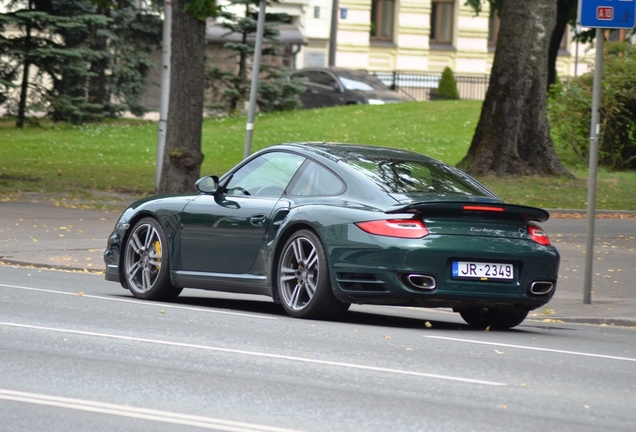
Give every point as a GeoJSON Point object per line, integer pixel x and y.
{"type": "Point", "coordinates": [552, 320]}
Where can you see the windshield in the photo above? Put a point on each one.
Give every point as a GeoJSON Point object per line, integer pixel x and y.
{"type": "Point", "coordinates": [360, 81]}
{"type": "Point", "coordinates": [417, 177]}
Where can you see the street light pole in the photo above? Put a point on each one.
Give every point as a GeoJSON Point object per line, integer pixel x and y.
{"type": "Point", "coordinates": [165, 89]}
{"type": "Point", "coordinates": [249, 129]}
{"type": "Point", "coordinates": [591, 188]}
{"type": "Point", "coordinates": [333, 37]}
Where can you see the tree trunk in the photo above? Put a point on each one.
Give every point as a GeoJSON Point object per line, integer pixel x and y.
{"type": "Point", "coordinates": [564, 10]}
{"type": "Point", "coordinates": [513, 134]}
{"type": "Point", "coordinates": [182, 152]}
{"type": "Point", "coordinates": [98, 82]}
{"type": "Point", "coordinates": [24, 86]}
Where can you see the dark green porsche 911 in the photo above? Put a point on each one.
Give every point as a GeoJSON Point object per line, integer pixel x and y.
{"type": "Point", "coordinates": [318, 226]}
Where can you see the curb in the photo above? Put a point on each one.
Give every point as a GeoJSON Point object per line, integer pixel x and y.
{"type": "Point", "coordinates": [4, 261]}
{"type": "Point", "coordinates": [613, 322]}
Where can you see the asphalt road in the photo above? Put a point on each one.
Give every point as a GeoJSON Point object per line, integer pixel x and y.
{"type": "Point", "coordinates": [78, 353]}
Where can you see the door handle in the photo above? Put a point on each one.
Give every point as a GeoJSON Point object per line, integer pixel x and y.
{"type": "Point", "coordinates": [258, 220]}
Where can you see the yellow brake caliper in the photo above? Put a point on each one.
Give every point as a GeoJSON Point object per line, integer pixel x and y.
{"type": "Point", "coordinates": [158, 252]}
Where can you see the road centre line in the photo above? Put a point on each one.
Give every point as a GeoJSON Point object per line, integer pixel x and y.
{"type": "Point", "coordinates": [139, 302]}
{"type": "Point", "coordinates": [556, 351]}
{"type": "Point", "coordinates": [257, 354]}
{"type": "Point", "coordinates": [137, 413]}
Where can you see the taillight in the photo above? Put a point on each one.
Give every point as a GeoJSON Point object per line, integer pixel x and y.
{"type": "Point", "coordinates": [538, 235]}
{"type": "Point", "coordinates": [402, 228]}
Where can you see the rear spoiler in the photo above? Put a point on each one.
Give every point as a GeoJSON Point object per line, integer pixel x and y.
{"type": "Point", "coordinates": [475, 209]}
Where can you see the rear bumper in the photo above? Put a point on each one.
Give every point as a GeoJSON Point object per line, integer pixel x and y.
{"type": "Point", "coordinates": [382, 273]}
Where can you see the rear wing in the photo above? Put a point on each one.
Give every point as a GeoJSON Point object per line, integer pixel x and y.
{"type": "Point", "coordinates": [473, 209]}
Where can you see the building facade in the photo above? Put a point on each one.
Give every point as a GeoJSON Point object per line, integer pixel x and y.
{"type": "Point", "coordinates": [407, 35]}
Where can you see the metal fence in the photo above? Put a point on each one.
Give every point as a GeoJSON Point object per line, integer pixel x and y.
{"type": "Point", "coordinates": [424, 86]}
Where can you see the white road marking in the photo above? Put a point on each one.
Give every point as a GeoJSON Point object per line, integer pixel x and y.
{"type": "Point", "coordinates": [582, 354]}
{"type": "Point", "coordinates": [256, 354]}
{"type": "Point", "coordinates": [137, 413]}
{"type": "Point", "coordinates": [139, 302]}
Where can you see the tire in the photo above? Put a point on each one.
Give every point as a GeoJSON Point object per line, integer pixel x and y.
{"type": "Point", "coordinates": [147, 264]}
{"type": "Point", "coordinates": [495, 318]}
{"type": "Point", "coordinates": [303, 282]}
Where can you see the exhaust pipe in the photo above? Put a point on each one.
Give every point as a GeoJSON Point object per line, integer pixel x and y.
{"type": "Point", "coordinates": [541, 287]}
{"type": "Point", "coordinates": [421, 281]}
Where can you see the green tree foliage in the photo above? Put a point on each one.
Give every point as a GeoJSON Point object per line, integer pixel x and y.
{"type": "Point", "coordinates": [447, 87]}
{"type": "Point", "coordinates": [278, 92]}
{"type": "Point", "coordinates": [570, 111]}
{"type": "Point", "coordinates": [77, 60]}
{"type": "Point", "coordinates": [232, 87]}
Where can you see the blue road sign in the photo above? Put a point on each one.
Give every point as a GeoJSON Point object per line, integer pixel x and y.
{"type": "Point", "coordinates": [610, 14]}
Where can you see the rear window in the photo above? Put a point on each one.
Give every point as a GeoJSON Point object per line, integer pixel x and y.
{"type": "Point", "coordinates": [417, 177]}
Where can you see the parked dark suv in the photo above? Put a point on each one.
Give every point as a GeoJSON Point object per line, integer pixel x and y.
{"type": "Point", "coordinates": [338, 86]}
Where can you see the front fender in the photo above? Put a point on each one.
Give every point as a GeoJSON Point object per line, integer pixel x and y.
{"type": "Point", "coordinates": [166, 210]}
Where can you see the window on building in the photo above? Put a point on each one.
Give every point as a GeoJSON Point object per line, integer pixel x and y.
{"type": "Point", "coordinates": [382, 15]}
{"type": "Point", "coordinates": [442, 12]}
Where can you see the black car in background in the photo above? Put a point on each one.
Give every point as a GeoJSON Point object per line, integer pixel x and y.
{"type": "Point", "coordinates": [338, 86]}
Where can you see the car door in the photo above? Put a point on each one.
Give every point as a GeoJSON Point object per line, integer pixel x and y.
{"type": "Point", "coordinates": [323, 90]}
{"type": "Point", "coordinates": [223, 233]}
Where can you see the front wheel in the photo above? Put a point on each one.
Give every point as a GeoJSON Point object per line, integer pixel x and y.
{"type": "Point", "coordinates": [146, 262]}
{"type": "Point", "coordinates": [495, 318]}
{"type": "Point", "coordinates": [304, 285]}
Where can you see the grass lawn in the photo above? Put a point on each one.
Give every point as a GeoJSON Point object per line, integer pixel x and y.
{"type": "Point", "coordinates": [109, 164]}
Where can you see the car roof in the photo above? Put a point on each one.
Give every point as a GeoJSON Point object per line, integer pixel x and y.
{"type": "Point", "coordinates": [339, 71]}
{"type": "Point", "coordinates": [342, 151]}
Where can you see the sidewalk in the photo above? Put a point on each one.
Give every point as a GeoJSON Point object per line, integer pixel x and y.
{"type": "Point", "coordinates": [43, 235]}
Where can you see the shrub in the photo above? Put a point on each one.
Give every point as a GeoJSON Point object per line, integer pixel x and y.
{"type": "Point", "coordinates": [447, 87]}
{"type": "Point", "coordinates": [570, 107]}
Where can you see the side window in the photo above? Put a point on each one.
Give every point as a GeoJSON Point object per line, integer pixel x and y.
{"type": "Point", "coordinates": [316, 180]}
{"type": "Point", "coordinates": [303, 74]}
{"type": "Point", "coordinates": [324, 79]}
{"type": "Point", "coordinates": [268, 175]}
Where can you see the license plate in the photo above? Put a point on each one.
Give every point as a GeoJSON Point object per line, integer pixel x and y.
{"type": "Point", "coordinates": [482, 270]}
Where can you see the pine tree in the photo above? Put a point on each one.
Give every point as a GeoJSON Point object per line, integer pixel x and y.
{"type": "Point", "coordinates": [78, 59]}
{"type": "Point", "coordinates": [276, 90]}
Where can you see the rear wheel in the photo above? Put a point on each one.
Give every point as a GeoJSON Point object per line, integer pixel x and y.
{"type": "Point", "coordinates": [304, 285]}
{"type": "Point", "coordinates": [495, 318]}
{"type": "Point", "coordinates": [146, 262]}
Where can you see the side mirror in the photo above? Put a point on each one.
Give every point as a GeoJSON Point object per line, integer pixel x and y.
{"type": "Point", "coordinates": [207, 185]}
